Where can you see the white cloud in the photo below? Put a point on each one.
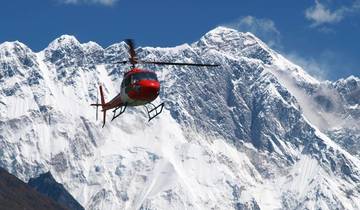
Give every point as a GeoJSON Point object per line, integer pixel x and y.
{"type": "Point", "coordinates": [317, 68]}
{"type": "Point", "coordinates": [320, 14]}
{"type": "Point", "coordinates": [264, 28]}
{"type": "Point", "coordinates": [326, 65]}
{"type": "Point", "coordinates": [103, 2]}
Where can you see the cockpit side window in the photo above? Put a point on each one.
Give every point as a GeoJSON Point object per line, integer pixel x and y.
{"type": "Point", "coordinates": [152, 76]}
{"type": "Point", "coordinates": [135, 78]}
{"type": "Point", "coordinates": [126, 81]}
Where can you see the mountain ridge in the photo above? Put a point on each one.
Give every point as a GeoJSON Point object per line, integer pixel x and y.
{"type": "Point", "coordinates": [249, 123]}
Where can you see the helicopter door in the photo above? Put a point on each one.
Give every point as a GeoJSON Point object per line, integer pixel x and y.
{"type": "Point", "coordinates": [126, 83]}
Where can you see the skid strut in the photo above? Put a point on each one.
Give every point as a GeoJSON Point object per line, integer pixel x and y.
{"type": "Point", "coordinates": [122, 110]}
{"type": "Point", "coordinates": [154, 109]}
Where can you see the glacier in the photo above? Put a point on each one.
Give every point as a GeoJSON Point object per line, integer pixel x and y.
{"type": "Point", "coordinates": [258, 132]}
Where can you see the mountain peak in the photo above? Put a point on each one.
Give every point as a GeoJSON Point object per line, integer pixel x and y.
{"type": "Point", "coordinates": [67, 39]}
{"type": "Point", "coordinates": [63, 48]}
{"type": "Point", "coordinates": [63, 41]}
{"type": "Point", "coordinates": [13, 55]}
{"type": "Point", "coordinates": [221, 29]}
{"type": "Point", "coordinates": [235, 44]}
{"type": "Point", "coordinates": [221, 33]}
{"type": "Point", "coordinates": [13, 46]}
{"type": "Point", "coordinates": [91, 44]}
{"type": "Point", "coordinates": [352, 78]}
{"type": "Point", "coordinates": [349, 81]}
{"type": "Point", "coordinates": [226, 32]}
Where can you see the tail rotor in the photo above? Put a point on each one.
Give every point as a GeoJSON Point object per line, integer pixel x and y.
{"type": "Point", "coordinates": [97, 107]}
{"type": "Point", "coordinates": [102, 98]}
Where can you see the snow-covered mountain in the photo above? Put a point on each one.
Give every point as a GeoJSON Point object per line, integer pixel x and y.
{"type": "Point", "coordinates": [256, 133]}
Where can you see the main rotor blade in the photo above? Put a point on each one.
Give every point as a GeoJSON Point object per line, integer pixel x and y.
{"type": "Point", "coordinates": [178, 64]}
{"type": "Point", "coordinates": [133, 58]}
{"type": "Point", "coordinates": [120, 62]}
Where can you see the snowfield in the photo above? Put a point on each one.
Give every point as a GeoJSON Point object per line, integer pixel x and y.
{"type": "Point", "coordinates": [256, 133]}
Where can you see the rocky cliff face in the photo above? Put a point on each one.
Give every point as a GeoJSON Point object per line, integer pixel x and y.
{"type": "Point", "coordinates": [15, 194]}
{"type": "Point", "coordinates": [47, 186]}
{"type": "Point", "coordinates": [256, 133]}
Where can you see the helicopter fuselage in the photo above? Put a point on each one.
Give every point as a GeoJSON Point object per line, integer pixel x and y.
{"type": "Point", "coordinates": [139, 87]}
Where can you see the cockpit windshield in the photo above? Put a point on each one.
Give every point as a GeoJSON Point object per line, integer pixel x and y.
{"type": "Point", "coordinates": [143, 76]}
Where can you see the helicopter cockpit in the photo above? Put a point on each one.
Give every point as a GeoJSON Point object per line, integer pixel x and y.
{"type": "Point", "coordinates": [138, 76]}
{"type": "Point", "coordinates": [143, 76]}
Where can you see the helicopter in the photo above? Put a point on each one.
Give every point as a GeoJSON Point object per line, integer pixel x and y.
{"type": "Point", "coordinates": [139, 87]}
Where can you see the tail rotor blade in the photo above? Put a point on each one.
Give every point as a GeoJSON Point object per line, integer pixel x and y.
{"type": "Point", "coordinates": [97, 107]}
{"type": "Point", "coordinates": [102, 104]}
{"type": "Point", "coordinates": [102, 98]}
{"type": "Point", "coordinates": [104, 118]}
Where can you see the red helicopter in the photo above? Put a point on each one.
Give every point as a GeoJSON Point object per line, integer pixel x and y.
{"type": "Point", "coordinates": [138, 87]}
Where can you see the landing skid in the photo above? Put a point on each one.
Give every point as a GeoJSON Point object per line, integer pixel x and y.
{"type": "Point", "coordinates": [122, 110]}
{"type": "Point", "coordinates": [154, 109]}
{"type": "Point", "coordinates": [152, 113]}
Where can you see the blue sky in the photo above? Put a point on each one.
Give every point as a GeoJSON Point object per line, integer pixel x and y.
{"type": "Point", "coordinates": [321, 35]}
